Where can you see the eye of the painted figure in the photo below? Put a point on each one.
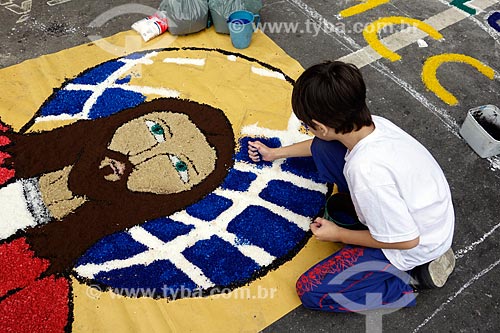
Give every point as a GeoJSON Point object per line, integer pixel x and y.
{"type": "Point", "coordinates": [181, 167]}
{"type": "Point", "coordinates": [156, 130]}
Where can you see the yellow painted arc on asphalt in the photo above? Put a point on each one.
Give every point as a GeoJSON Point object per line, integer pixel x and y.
{"type": "Point", "coordinates": [362, 7]}
{"type": "Point", "coordinates": [432, 64]}
{"type": "Point", "coordinates": [371, 33]}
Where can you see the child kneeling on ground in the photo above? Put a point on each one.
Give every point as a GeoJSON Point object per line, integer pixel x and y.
{"type": "Point", "coordinates": [399, 192]}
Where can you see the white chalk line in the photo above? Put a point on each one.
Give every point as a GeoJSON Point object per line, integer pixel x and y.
{"type": "Point", "coordinates": [492, 32]}
{"type": "Point", "coordinates": [438, 19]}
{"type": "Point", "coordinates": [326, 26]}
{"type": "Point", "coordinates": [457, 293]}
{"type": "Point", "coordinates": [462, 252]}
{"type": "Point", "coordinates": [397, 41]}
{"type": "Point", "coordinates": [489, 30]}
{"type": "Point", "coordinates": [371, 57]}
{"type": "Point", "coordinates": [495, 163]}
{"type": "Point", "coordinates": [448, 121]}
{"type": "Point", "coordinates": [441, 113]}
{"type": "Point", "coordinates": [408, 36]}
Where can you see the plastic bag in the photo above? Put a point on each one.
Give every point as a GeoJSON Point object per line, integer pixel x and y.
{"type": "Point", "coordinates": [185, 16]}
{"type": "Point", "coordinates": [220, 10]}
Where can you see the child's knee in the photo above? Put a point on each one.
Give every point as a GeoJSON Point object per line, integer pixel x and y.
{"type": "Point", "coordinates": [308, 300]}
{"type": "Point", "coordinates": [307, 297]}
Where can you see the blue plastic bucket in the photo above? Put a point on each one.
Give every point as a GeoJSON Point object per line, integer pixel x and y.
{"type": "Point", "coordinates": [242, 25]}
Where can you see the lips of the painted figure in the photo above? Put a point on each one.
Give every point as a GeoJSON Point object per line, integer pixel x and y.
{"type": "Point", "coordinates": [118, 167]}
{"type": "Point", "coordinates": [115, 164]}
{"type": "Point", "coordinates": [112, 168]}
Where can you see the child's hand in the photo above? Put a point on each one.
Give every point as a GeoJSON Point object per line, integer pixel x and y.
{"type": "Point", "coordinates": [325, 230]}
{"type": "Point", "coordinates": [257, 151]}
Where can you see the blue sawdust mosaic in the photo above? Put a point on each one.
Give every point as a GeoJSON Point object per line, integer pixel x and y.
{"type": "Point", "coordinates": [221, 262]}
{"type": "Point", "coordinates": [238, 180]}
{"type": "Point", "coordinates": [116, 246]}
{"type": "Point", "coordinates": [160, 276]}
{"type": "Point", "coordinates": [209, 208]}
{"type": "Point", "coordinates": [66, 102]}
{"type": "Point", "coordinates": [242, 154]}
{"type": "Point", "coordinates": [267, 230]}
{"type": "Point", "coordinates": [114, 100]}
{"type": "Point", "coordinates": [286, 194]}
{"type": "Point", "coordinates": [229, 212]}
{"type": "Point", "coordinates": [166, 229]}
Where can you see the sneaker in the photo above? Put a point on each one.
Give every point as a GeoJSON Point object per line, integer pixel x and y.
{"type": "Point", "coordinates": [435, 273]}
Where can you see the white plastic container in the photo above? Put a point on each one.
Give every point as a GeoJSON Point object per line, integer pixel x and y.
{"type": "Point", "coordinates": [476, 135]}
{"type": "Point", "coordinates": [151, 26]}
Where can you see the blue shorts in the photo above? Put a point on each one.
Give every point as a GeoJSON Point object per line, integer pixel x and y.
{"type": "Point", "coordinates": [329, 159]}
{"type": "Point", "coordinates": [355, 279]}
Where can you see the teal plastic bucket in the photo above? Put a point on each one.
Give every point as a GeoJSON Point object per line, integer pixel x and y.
{"type": "Point", "coordinates": [242, 25]}
{"type": "Point", "coordinates": [339, 209]}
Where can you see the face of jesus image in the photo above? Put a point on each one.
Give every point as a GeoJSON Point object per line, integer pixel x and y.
{"type": "Point", "coordinates": [165, 152]}
{"type": "Point", "coordinates": [163, 147]}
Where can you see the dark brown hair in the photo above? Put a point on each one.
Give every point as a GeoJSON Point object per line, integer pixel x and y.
{"type": "Point", "coordinates": [334, 94]}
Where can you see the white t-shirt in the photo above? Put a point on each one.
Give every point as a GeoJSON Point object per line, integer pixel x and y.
{"type": "Point", "coordinates": [400, 192]}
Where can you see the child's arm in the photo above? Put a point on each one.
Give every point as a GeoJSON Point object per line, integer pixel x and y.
{"type": "Point", "coordinates": [325, 230]}
{"type": "Point", "coordinates": [258, 150]}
